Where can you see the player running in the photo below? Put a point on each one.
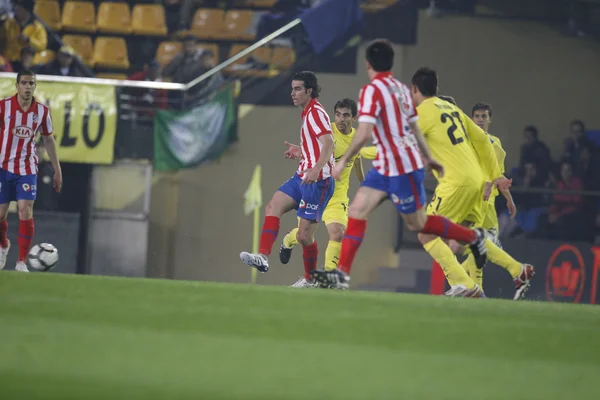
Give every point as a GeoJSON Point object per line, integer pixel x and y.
{"type": "Point", "coordinates": [335, 215]}
{"type": "Point", "coordinates": [522, 274]}
{"type": "Point", "coordinates": [470, 161]}
{"type": "Point", "coordinates": [310, 189]}
{"type": "Point", "coordinates": [21, 118]}
{"type": "Point", "coordinates": [387, 112]}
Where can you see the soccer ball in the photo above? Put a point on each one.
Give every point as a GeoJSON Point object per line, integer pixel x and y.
{"type": "Point", "coordinates": [43, 257]}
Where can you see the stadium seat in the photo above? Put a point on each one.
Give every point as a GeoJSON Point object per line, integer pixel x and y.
{"type": "Point", "coordinates": [207, 23]}
{"type": "Point", "coordinates": [49, 12]}
{"type": "Point", "coordinates": [106, 75]}
{"type": "Point", "coordinates": [82, 44]}
{"type": "Point", "coordinates": [111, 52]}
{"type": "Point", "coordinates": [167, 51]}
{"type": "Point", "coordinates": [238, 25]}
{"type": "Point", "coordinates": [149, 19]}
{"type": "Point", "coordinates": [245, 66]}
{"type": "Point", "coordinates": [43, 57]}
{"type": "Point", "coordinates": [283, 57]}
{"type": "Point", "coordinates": [114, 18]}
{"type": "Point", "coordinates": [260, 3]}
{"type": "Point", "coordinates": [79, 16]}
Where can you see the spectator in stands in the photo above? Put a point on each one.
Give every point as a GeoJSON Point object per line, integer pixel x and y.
{"type": "Point", "coordinates": [565, 208]}
{"type": "Point", "coordinates": [5, 65]}
{"type": "Point", "coordinates": [588, 167]}
{"type": "Point", "coordinates": [25, 61]}
{"type": "Point", "coordinates": [530, 205]}
{"type": "Point", "coordinates": [576, 142]}
{"type": "Point", "coordinates": [6, 10]}
{"type": "Point", "coordinates": [63, 64]}
{"type": "Point", "coordinates": [22, 30]}
{"type": "Point", "coordinates": [172, 14]}
{"type": "Point", "coordinates": [147, 100]}
{"type": "Point", "coordinates": [535, 151]}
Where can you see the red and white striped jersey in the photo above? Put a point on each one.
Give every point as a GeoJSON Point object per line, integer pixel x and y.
{"type": "Point", "coordinates": [315, 123]}
{"type": "Point", "coordinates": [387, 103]}
{"type": "Point", "coordinates": [18, 130]}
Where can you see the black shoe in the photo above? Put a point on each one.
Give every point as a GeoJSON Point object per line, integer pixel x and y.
{"type": "Point", "coordinates": [479, 249]}
{"type": "Point", "coordinates": [285, 254]}
{"type": "Point", "coordinates": [334, 279]}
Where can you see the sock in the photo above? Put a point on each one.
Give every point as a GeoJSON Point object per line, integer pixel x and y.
{"type": "Point", "coordinates": [3, 230]}
{"type": "Point", "coordinates": [501, 258]}
{"type": "Point", "coordinates": [441, 253]}
{"type": "Point", "coordinates": [310, 254]}
{"type": "Point", "coordinates": [269, 233]}
{"type": "Point", "coordinates": [443, 227]}
{"type": "Point", "coordinates": [355, 232]}
{"type": "Point", "coordinates": [471, 269]}
{"type": "Point", "coordinates": [332, 255]}
{"type": "Point", "coordinates": [290, 239]}
{"type": "Point", "coordinates": [26, 229]}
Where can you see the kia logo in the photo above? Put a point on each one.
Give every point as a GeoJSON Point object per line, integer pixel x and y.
{"type": "Point", "coordinates": [22, 131]}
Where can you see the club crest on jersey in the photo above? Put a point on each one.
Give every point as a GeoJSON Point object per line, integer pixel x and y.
{"type": "Point", "coordinates": [35, 117]}
{"type": "Point", "coordinates": [22, 131]}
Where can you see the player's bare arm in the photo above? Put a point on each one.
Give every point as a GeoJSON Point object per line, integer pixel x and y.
{"type": "Point", "coordinates": [293, 152]}
{"type": "Point", "coordinates": [359, 169]}
{"type": "Point", "coordinates": [50, 146]}
{"type": "Point", "coordinates": [363, 133]}
{"type": "Point", "coordinates": [311, 175]}
{"type": "Point", "coordinates": [510, 204]}
{"type": "Point", "coordinates": [485, 151]}
{"type": "Point", "coordinates": [429, 162]}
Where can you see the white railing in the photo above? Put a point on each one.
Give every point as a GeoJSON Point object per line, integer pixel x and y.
{"type": "Point", "coordinates": [164, 85]}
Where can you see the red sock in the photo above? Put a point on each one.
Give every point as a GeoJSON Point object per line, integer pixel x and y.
{"type": "Point", "coordinates": [3, 230]}
{"type": "Point", "coordinates": [26, 229]}
{"type": "Point", "coordinates": [310, 254]}
{"type": "Point", "coordinates": [355, 232]}
{"type": "Point", "coordinates": [443, 227]}
{"type": "Point", "coordinates": [268, 235]}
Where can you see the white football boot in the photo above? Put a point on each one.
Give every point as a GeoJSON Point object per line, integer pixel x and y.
{"type": "Point", "coordinates": [21, 267]}
{"type": "Point", "coordinates": [258, 261]}
{"type": "Point", "coordinates": [4, 254]}
{"type": "Point", "coordinates": [303, 283]}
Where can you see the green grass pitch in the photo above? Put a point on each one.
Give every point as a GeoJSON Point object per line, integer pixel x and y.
{"type": "Point", "coordinates": [83, 337]}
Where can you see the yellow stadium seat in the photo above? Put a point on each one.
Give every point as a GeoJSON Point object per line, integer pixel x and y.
{"type": "Point", "coordinates": [283, 57]}
{"type": "Point", "coordinates": [372, 6]}
{"type": "Point", "coordinates": [207, 23]}
{"type": "Point", "coordinates": [149, 19]}
{"type": "Point", "coordinates": [261, 55]}
{"type": "Point", "coordinates": [167, 51]}
{"type": "Point", "coordinates": [111, 52]}
{"type": "Point", "coordinates": [114, 18]}
{"type": "Point", "coordinates": [49, 12]}
{"type": "Point", "coordinates": [238, 26]}
{"type": "Point", "coordinates": [43, 57]}
{"type": "Point", "coordinates": [82, 44]}
{"type": "Point", "coordinates": [79, 16]}
{"type": "Point", "coordinates": [260, 3]}
{"type": "Point", "coordinates": [106, 75]}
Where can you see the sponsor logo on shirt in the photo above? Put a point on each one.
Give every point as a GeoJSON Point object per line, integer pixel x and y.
{"type": "Point", "coordinates": [22, 131]}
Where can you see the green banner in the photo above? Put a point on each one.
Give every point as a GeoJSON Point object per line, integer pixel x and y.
{"type": "Point", "coordinates": [184, 139]}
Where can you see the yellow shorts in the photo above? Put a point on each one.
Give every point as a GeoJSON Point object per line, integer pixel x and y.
{"type": "Point", "coordinates": [336, 211]}
{"type": "Point", "coordinates": [490, 218]}
{"type": "Point", "coordinates": [458, 203]}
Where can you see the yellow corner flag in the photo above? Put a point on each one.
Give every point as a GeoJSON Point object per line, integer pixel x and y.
{"type": "Point", "coordinates": [253, 202]}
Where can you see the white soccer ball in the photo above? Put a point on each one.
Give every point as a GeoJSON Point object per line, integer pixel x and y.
{"type": "Point", "coordinates": [43, 257]}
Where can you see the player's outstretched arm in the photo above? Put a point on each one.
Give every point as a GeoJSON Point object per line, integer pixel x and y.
{"type": "Point", "coordinates": [50, 146]}
{"type": "Point", "coordinates": [423, 147]}
{"type": "Point", "coordinates": [483, 147]}
{"type": "Point", "coordinates": [326, 150]}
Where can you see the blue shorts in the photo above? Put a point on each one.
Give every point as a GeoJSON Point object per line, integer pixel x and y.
{"type": "Point", "coordinates": [17, 187]}
{"type": "Point", "coordinates": [311, 199]}
{"type": "Point", "coordinates": [407, 192]}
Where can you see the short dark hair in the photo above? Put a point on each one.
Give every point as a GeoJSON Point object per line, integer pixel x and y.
{"type": "Point", "coordinates": [347, 103]}
{"type": "Point", "coordinates": [24, 72]}
{"type": "Point", "coordinates": [578, 122]}
{"type": "Point", "coordinates": [533, 130]}
{"type": "Point", "coordinates": [481, 106]}
{"type": "Point", "coordinates": [310, 81]}
{"type": "Point", "coordinates": [426, 80]}
{"type": "Point", "coordinates": [380, 55]}
{"type": "Point", "coordinates": [449, 99]}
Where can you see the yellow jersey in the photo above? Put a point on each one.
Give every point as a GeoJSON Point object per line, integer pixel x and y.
{"type": "Point", "coordinates": [457, 143]}
{"type": "Point", "coordinates": [500, 157]}
{"type": "Point", "coordinates": [342, 142]}
{"type": "Point", "coordinates": [368, 152]}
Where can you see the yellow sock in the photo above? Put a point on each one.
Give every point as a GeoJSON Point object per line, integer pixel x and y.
{"type": "Point", "coordinates": [474, 273]}
{"type": "Point", "coordinates": [441, 253]}
{"type": "Point", "coordinates": [290, 240]}
{"type": "Point", "coordinates": [332, 255]}
{"type": "Point", "coordinates": [501, 258]}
